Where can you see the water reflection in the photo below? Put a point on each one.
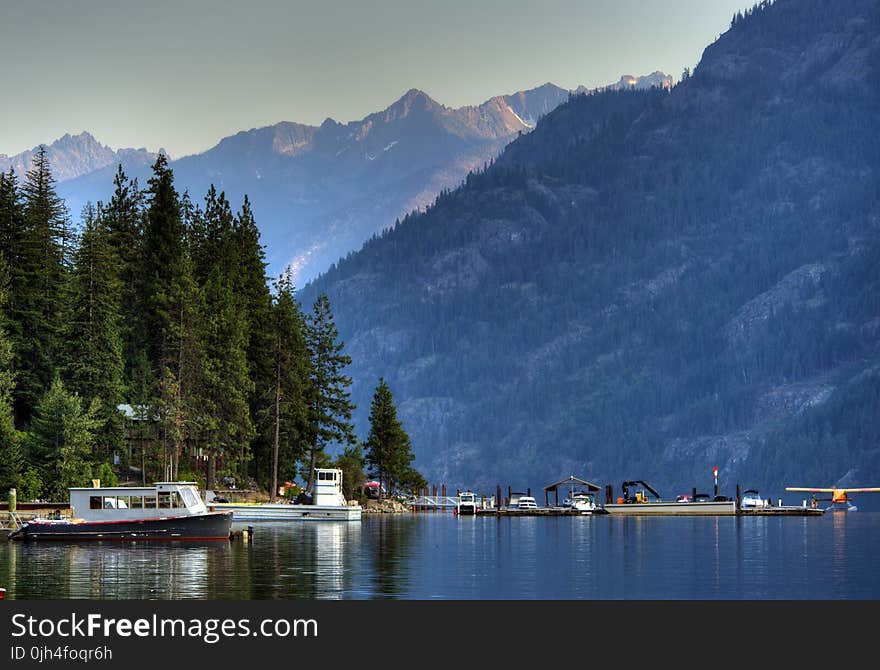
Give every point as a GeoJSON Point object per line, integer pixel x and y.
{"type": "Point", "coordinates": [111, 570]}
{"type": "Point", "coordinates": [425, 556]}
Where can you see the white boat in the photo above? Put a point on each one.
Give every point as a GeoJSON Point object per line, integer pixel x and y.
{"type": "Point", "coordinates": [580, 501]}
{"type": "Point", "coordinates": [164, 511]}
{"type": "Point", "coordinates": [525, 502]}
{"type": "Point", "coordinates": [467, 504]}
{"type": "Point", "coordinates": [751, 499]}
{"type": "Point", "coordinates": [328, 504]}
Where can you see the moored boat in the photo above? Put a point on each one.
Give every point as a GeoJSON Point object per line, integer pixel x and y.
{"type": "Point", "coordinates": [580, 501]}
{"type": "Point", "coordinates": [328, 504]}
{"type": "Point", "coordinates": [467, 504]}
{"type": "Point", "coordinates": [646, 501]}
{"type": "Point", "coordinates": [164, 511]}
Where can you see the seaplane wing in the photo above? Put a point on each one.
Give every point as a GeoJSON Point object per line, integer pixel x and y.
{"type": "Point", "coordinates": [867, 489]}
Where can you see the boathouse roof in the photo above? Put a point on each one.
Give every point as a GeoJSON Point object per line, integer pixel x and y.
{"type": "Point", "coordinates": [571, 479]}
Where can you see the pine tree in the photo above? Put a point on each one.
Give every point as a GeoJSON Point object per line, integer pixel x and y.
{"type": "Point", "coordinates": [289, 416]}
{"type": "Point", "coordinates": [95, 366]}
{"type": "Point", "coordinates": [252, 290]}
{"type": "Point", "coordinates": [351, 462]}
{"type": "Point", "coordinates": [61, 440]}
{"type": "Point", "coordinates": [38, 272]}
{"type": "Point", "coordinates": [226, 386]}
{"type": "Point", "coordinates": [329, 406]}
{"type": "Point", "coordinates": [388, 450]}
{"type": "Point", "coordinates": [10, 440]}
{"type": "Point", "coordinates": [170, 311]}
{"type": "Point", "coordinates": [123, 219]}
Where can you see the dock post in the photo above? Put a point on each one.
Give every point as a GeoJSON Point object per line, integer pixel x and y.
{"type": "Point", "coordinates": [434, 492]}
{"type": "Point", "coordinates": [609, 494]}
{"type": "Point", "coordinates": [497, 495]}
{"type": "Point", "coordinates": [547, 499]}
{"type": "Point", "coordinates": [509, 493]}
{"type": "Point", "coordinates": [694, 498]}
{"type": "Point", "coordinates": [738, 498]}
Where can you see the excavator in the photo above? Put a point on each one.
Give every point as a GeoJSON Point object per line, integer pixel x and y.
{"type": "Point", "coordinates": [639, 496]}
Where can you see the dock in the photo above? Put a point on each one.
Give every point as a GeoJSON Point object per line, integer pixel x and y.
{"type": "Point", "coordinates": [785, 510]}
{"type": "Point", "coordinates": [437, 500]}
{"type": "Point", "coordinates": [538, 511]}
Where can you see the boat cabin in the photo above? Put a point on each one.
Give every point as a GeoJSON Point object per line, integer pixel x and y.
{"type": "Point", "coordinates": [112, 503]}
{"type": "Point", "coordinates": [328, 487]}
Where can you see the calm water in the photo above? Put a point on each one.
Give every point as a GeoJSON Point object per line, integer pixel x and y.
{"type": "Point", "coordinates": [427, 556]}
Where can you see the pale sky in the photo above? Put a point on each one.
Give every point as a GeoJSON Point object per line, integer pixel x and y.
{"type": "Point", "coordinates": [182, 74]}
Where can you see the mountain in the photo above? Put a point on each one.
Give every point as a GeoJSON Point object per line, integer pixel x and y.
{"type": "Point", "coordinates": [319, 191]}
{"type": "Point", "coordinates": [72, 156]}
{"type": "Point", "coordinates": [650, 283]}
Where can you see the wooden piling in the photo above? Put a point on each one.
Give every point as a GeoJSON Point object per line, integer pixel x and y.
{"type": "Point", "coordinates": [738, 498]}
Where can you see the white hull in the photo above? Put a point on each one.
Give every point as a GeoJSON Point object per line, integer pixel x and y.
{"type": "Point", "coordinates": [725, 508]}
{"type": "Point", "coordinates": [288, 512]}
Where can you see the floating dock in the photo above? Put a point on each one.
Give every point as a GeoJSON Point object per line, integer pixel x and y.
{"type": "Point", "coordinates": [785, 510]}
{"type": "Point", "coordinates": [538, 511]}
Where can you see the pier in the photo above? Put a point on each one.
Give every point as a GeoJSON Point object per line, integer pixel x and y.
{"type": "Point", "coordinates": [436, 499]}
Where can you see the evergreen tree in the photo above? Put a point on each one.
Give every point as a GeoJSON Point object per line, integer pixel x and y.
{"type": "Point", "coordinates": [61, 440]}
{"type": "Point", "coordinates": [226, 385]}
{"type": "Point", "coordinates": [95, 365]}
{"type": "Point", "coordinates": [38, 271]}
{"type": "Point", "coordinates": [11, 224]}
{"type": "Point", "coordinates": [10, 440]}
{"type": "Point", "coordinates": [289, 416]}
{"type": "Point", "coordinates": [329, 406]}
{"type": "Point", "coordinates": [255, 298]}
{"type": "Point", "coordinates": [388, 450]}
{"type": "Point", "coordinates": [170, 312]}
{"type": "Point", "coordinates": [123, 219]}
{"type": "Point", "coordinates": [351, 462]}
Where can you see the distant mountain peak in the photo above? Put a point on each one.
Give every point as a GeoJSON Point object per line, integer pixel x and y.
{"type": "Point", "coordinates": [412, 101]}
{"type": "Point", "coordinates": [71, 156]}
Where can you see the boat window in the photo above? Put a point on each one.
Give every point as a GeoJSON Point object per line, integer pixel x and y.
{"type": "Point", "coordinates": [165, 500]}
{"type": "Point", "coordinates": [150, 502]}
{"type": "Point", "coordinates": [189, 498]}
{"type": "Point", "coordinates": [115, 502]}
{"type": "Point", "coordinates": [137, 502]}
{"type": "Point", "coordinates": [95, 502]}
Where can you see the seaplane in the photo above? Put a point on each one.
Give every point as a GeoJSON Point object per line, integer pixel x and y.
{"type": "Point", "coordinates": [840, 497]}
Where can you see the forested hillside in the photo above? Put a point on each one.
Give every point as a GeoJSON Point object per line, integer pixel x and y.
{"type": "Point", "coordinates": [654, 283]}
{"type": "Point", "coordinates": [146, 345]}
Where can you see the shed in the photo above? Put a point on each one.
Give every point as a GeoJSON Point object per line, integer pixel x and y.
{"type": "Point", "coordinates": [570, 482]}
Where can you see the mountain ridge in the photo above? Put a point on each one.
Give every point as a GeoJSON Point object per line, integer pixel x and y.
{"type": "Point", "coordinates": [650, 284]}
{"type": "Point", "coordinates": [319, 191]}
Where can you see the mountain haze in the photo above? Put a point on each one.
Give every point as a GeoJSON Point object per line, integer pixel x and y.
{"type": "Point", "coordinates": [319, 191]}
{"type": "Point", "coordinates": [650, 283]}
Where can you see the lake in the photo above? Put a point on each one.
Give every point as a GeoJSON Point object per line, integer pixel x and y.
{"type": "Point", "coordinates": [440, 556]}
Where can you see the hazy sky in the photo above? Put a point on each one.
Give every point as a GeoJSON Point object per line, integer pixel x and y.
{"type": "Point", "coordinates": [182, 74]}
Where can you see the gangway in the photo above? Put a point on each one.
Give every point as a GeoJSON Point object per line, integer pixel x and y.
{"type": "Point", "coordinates": [433, 503]}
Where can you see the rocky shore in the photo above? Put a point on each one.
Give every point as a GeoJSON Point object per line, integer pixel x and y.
{"type": "Point", "coordinates": [384, 506]}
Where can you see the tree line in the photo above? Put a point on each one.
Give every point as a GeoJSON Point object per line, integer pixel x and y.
{"type": "Point", "coordinates": [149, 344]}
